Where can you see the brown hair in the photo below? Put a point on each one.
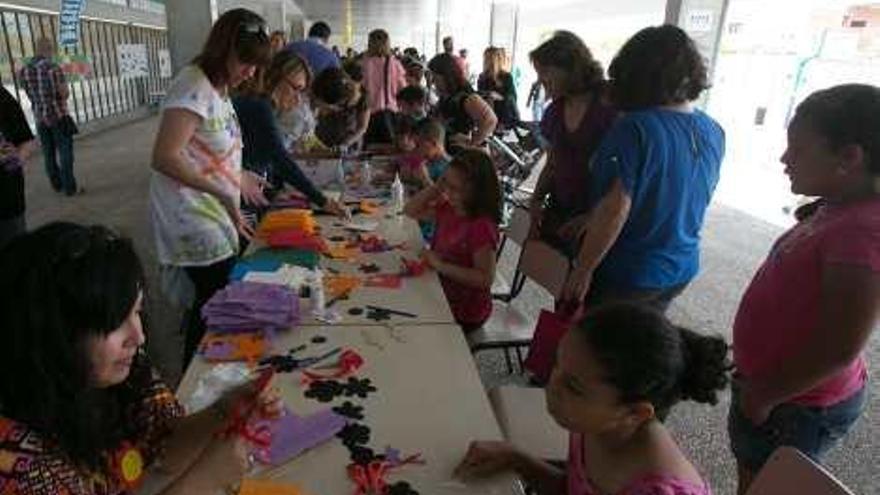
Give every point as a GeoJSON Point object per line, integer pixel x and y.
{"type": "Point", "coordinates": [378, 44]}
{"type": "Point", "coordinates": [333, 86]}
{"type": "Point", "coordinates": [493, 61]}
{"type": "Point", "coordinates": [431, 130]}
{"type": "Point", "coordinates": [567, 52]}
{"type": "Point", "coordinates": [240, 33]}
{"type": "Point", "coordinates": [446, 68]}
{"type": "Point", "coordinates": [657, 66]}
{"type": "Point", "coordinates": [482, 181]}
{"type": "Point", "coordinates": [267, 79]}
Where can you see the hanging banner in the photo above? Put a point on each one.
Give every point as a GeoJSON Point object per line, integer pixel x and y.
{"type": "Point", "coordinates": [132, 60]}
{"type": "Point", "coordinates": [68, 22]}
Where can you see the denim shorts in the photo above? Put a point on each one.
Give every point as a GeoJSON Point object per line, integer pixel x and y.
{"type": "Point", "coordinates": [811, 430]}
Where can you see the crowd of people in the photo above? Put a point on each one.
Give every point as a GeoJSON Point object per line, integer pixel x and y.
{"type": "Point", "coordinates": [631, 167]}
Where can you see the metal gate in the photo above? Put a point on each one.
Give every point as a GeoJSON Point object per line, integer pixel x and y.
{"type": "Point", "coordinates": [101, 91]}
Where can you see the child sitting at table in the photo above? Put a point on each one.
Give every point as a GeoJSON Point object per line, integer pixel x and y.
{"type": "Point", "coordinates": [618, 373]}
{"type": "Point", "coordinates": [465, 205]}
{"type": "Point", "coordinates": [412, 101]}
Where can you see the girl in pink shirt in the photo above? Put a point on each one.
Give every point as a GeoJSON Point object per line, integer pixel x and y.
{"type": "Point", "coordinates": [465, 206]}
{"type": "Point", "coordinates": [808, 313]}
{"type": "Point", "coordinates": [618, 373]}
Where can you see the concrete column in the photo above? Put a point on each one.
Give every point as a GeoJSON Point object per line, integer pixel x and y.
{"type": "Point", "coordinates": [703, 20]}
{"type": "Point", "coordinates": [297, 25]}
{"type": "Point", "coordinates": [189, 22]}
{"type": "Point", "coordinates": [502, 25]}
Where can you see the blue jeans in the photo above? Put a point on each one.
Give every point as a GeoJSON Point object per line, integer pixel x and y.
{"type": "Point", "coordinates": [811, 430]}
{"type": "Point", "coordinates": [58, 146]}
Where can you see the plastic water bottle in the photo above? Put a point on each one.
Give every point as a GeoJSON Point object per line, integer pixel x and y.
{"type": "Point", "coordinates": [397, 194]}
{"type": "Point", "coordinates": [316, 292]}
{"type": "Point", "coordinates": [366, 173]}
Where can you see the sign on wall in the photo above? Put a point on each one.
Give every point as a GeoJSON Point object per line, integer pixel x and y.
{"type": "Point", "coordinates": [132, 60]}
{"type": "Point", "coordinates": [699, 21]}
{"type": "Point", "coordinates": [68, 22]}
{"type": "Point", "coordinates": [164, 63]}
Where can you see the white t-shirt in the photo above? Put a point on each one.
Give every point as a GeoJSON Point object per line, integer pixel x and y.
{"type": "Point", "coordinates": [297, 123]}
{"type": "Point", "coordinates": [192, 228]}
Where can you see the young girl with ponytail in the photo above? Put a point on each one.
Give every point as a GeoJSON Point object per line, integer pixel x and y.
{"type": "Point", "coordinates": [619, 372]}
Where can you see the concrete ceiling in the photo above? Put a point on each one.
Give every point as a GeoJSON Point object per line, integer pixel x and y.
{"type": "Point", "coordinates": [415, 22]}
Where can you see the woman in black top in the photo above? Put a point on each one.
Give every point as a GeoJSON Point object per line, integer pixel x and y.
{"type": "Point", "coordinates": [16, 145]}
{"type": "Point", "coordinates": [496, 85]}
{"type": "Point", "coordinates": [277, 88]}
{"type": "Point", "coordinates": [468, 119]}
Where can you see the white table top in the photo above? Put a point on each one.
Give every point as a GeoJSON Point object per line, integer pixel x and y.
{"type": "Point", "coordinates": [422, 296]}
{"type": "Point", "coordinates": [430, 400]}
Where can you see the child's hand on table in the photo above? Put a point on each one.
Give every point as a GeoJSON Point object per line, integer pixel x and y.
{"type": "Point", "coordinates": [485, 459]}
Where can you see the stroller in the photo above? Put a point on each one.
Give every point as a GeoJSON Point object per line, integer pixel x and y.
{"type": "Point", "coordinates": [516, 151]}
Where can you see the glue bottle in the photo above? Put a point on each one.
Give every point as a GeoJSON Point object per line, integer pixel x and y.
{"type": "Point", "coordinates": [316, 292]}
{"type": "Point", "coordinates": [397, 194]}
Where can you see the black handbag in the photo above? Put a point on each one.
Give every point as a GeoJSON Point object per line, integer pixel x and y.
{"type": "Point", "coordinates": [381, 127]}
{"type": "Point", "coordinates": [68, 126]}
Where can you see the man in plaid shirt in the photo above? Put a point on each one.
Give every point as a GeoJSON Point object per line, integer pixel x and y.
{"type": "Point", "coordinates": [45, 85]}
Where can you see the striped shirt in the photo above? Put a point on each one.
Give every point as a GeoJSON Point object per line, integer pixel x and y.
{"type": "Point", "coordinates": [43, 81]}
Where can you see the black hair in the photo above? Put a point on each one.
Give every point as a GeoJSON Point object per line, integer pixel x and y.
{"type": "Point", "coordinates": [445, 67]}
{"type": "Point", "coordinates": [647, 358]}
{"type": "Point", "coordinates": [567, 52]}
{"type": "Point", "coordinates": [412, 94]}
{"type": "Point", "coordinates": [845, 114]}
{"type": "Point", "coordinates": [405, 125]}
{"type": "Point", "coordinates": [481, 178]}
{"type": "Point", "coordinates": [63, 284]}
{"type": "Point", "coordinates": [658, 66]}
{"type": "Point", "coordinates": [320, 29]}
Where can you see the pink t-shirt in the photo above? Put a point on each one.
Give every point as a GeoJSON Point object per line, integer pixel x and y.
{"type": "Point", "coordinates": [654, 484]}
{"type": "Point", "coordinates": [374, 82]}
{"type": "Point", "coordinates": [456, 239]}
{"type": "Point", "coordinates": [781, 307]}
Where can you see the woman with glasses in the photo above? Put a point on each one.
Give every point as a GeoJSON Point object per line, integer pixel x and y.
{"type": "Point", "coordinates": [198, 183]}
{"type": "Point", "coordinates": [82, 412]}
{"type": "Point", "coordinates": [277, 89]}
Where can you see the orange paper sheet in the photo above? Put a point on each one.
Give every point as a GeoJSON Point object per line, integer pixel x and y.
{"type": "Point", "coordinates": [368, 207]}
{"type": "Point", "coordinates": [287, 219]}
{"type": "Point", "coordinates": [337, 285]}
{"type": "Point", "coordinates": [266, 487]}
{"type": "Point", "coordinates": [341, 251]}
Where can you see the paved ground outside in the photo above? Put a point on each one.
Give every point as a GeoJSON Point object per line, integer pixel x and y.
{"type": "Point", "coordinates": [114, 168]}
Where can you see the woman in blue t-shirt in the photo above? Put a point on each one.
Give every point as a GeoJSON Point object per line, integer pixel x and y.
{"type": "Point", "coordinates": [651, 178]}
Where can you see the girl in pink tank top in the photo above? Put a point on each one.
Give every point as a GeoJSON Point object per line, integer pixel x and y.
{"type": "Point", "coordinates": [618, 373]}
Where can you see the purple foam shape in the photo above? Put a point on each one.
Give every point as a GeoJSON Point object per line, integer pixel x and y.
{"type": "Point", "coordinates": [292, 434]}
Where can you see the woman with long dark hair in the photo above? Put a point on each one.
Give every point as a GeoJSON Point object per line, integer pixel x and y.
{"type": "Point", "coordinates": [469, 120]}
{"type": "Point", "coordinates": [573, 125]}
{"type": "Point", "coordinates": [198, 183]}
{"type": "Point", "coordinates": [82, 411]}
